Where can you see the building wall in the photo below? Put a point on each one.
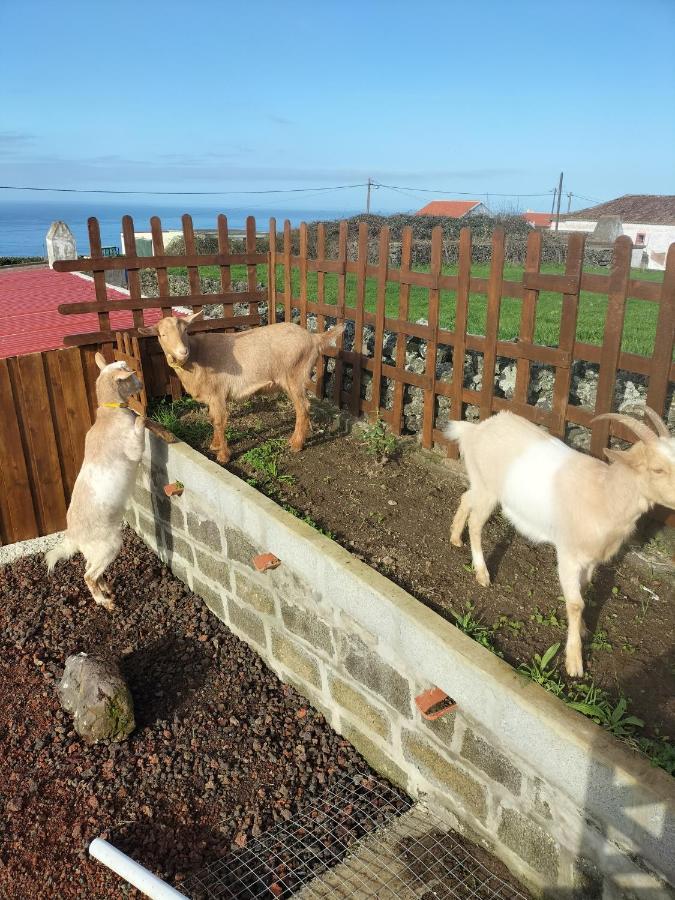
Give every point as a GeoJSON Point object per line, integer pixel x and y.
{"type": "Point", "coordinates": [480, 210]}
{"type": "Point", "coordinates": [557, 799]}
{"type": "Point", "coordinates": [657, 237]}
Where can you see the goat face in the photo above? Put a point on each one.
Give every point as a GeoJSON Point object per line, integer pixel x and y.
{"type": "Point", "coordinates": [118, 376]}
{"type": "Point", "coordinates": [171, 332]}
{"type": "Point", "coordinates": [660, 471]}
{"type": "Point", "coordinates": [652, 458]}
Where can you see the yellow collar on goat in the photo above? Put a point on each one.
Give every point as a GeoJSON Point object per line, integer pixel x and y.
{"type": "Point", "coordinates": [115, 405]}
{"type": "Point", "coordinates": [175, 365]}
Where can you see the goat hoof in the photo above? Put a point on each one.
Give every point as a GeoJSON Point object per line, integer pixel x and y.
{"type": "Point", "coordinates": [483, 577]}
{"type": "Point", "coordinates": [295, 445]}
{"type": "Point", "coordinates": [574, 664]}
{"type": "Point", "coordinates": [456, 542]}
{"type": "Point", "coordinates": [223, 457]}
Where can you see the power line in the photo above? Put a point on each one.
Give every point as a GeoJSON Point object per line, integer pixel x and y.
{"type": "Point", "coordinates": [339, 187]}
{"type": "Point", "coordinates": [403, 192]}
{"type": "Point", "coordinates": [590, 199]}
{"type": "Point", "coordinates": [398, 187]}
{"type": "Point", "coordinates": [412, 192]}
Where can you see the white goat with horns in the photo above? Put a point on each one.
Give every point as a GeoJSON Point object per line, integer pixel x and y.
{"type": "Point", "coordinates": [553, 494]}
{"type": "Point", "coordinates": [113, 449]}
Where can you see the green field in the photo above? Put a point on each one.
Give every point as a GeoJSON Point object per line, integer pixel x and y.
{"type": "Point", "coordinates": [639, 328]}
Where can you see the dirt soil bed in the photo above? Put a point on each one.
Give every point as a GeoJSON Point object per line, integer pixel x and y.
{"type": "Point", "coordinates": [397, 516]}
{"type": "Point", "coordinates": [223, 751]}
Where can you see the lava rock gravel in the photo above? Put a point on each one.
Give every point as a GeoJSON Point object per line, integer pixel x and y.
{"type": "Point", "coordinates": [222, 751]}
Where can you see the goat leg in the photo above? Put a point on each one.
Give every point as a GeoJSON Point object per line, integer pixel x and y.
{"type": "Point", "coordinates": [101, 593]}
{"type": "Point", "coordinates": [481, 507]}
{"type": "Point", "coordinates": [570, 574]}
{"type": "Point", "coordinates": [98, 555]}
{"type": "Point", "coordinates": [219, 443]}
{"type": "Point", "coordinates": [459, 522]}
{"type": "Point", "coordinates": [302, 424]}
{"type": "Point", "coordinates": [218, 416]}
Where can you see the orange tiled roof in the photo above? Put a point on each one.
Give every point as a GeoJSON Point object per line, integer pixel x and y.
{"type": "Point", "coordinates": [543, 220]}
{"type": "Point", "coordinates": [453, 208]}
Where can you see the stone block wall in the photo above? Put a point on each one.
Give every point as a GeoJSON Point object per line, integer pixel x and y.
{"type": "Point", "coordinates": [570, 811]}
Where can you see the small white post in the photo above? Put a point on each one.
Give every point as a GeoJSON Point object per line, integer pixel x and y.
{"type": "Point", "coordinates": [60, 243]}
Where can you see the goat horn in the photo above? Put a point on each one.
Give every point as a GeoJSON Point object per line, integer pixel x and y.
{"type": "Point", "coordinates": [643, 432]}
{"type": "Point", "coordinates": [657, 422]}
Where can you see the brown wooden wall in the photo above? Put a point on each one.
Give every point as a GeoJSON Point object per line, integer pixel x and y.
{"type": "Point", "coordinates": [47, 405]}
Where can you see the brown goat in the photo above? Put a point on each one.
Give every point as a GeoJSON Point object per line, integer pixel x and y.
{"type": "Point", "coordinates": [216, 369]}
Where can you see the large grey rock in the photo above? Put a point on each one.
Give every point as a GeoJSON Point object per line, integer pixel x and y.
{"type": "Point", "coordinates": [93, 690]}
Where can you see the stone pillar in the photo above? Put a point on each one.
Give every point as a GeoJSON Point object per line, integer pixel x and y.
{"type": "Point", "coordinates": [60, 243]}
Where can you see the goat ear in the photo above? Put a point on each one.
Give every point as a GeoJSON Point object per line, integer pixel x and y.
{"type": "Point", "coordinates": [614, 455]}
{"type": "Point", "coordinates": [635, 460]}
{"type": "Point", "coordinates": [100, 361]}
{"type": "Point", "coordinates": [195, 317]}
{"type": "Point", "coordinates": [147, 330]}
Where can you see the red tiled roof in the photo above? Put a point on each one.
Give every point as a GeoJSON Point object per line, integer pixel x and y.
{"type": "Point", "coordinates": [455, 209]}
{"type": "Point", "coordinates": [29, 317]}
{"type": "Point", "coordinates": [543, 220]}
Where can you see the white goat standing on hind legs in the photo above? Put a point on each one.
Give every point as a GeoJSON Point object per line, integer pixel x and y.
{"type": "Point", "coordinates": [555, 495]}
{"type": "Point", "coordinates": [112, 451]}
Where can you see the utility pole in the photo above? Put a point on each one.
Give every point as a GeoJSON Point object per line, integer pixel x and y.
{"type": "Point", "coordinates": [370, 184]}
{"type": "Point", "coordinates": [557, 210]}
{"type": "Point", "coordinates": [569, 201]}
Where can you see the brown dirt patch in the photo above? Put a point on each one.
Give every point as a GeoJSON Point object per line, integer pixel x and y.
{"type": "Point", "coordinates": [397, 516]}
{"type": "Point", "coordinates": [222, 750]}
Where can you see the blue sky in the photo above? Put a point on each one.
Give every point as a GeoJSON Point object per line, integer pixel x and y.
{"type": "Point", "coordinates": [482, 97]}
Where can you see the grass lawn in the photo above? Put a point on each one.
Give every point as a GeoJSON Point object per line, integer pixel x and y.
{"type": "Point", "coordinates": [639, 327]}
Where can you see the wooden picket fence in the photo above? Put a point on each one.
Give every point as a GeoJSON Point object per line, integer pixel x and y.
{"type": "Point", "coordinates": [47, 400]}
{"type": "Point", "coordinates": [159, 379]}
{"type": "Point", "coordinates": [618, 286]}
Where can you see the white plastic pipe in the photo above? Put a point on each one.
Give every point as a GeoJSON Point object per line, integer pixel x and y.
{"type": "Point", "coordinates": [132, 872]}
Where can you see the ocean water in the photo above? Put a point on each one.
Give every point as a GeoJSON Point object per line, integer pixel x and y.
{"type": "Point", "coordinates": [24, 224]}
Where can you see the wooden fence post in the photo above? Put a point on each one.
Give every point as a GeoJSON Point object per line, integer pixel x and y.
{"type": "Point", "coordinates": [494, 296]}
{"type": "Point", "coordinates": [340, 311]}
{"type": "Point", "coordinates": [401, 340]}
{"type": "Point", "coordinates": [272, 274]}
{"type": "Point", "coordinates": [568, 333]}
{"type": "Point", "coordinates": [432, 340]}
{"type": "Point", "coordinates": [382, 268]}
{"type": "Point", "coordinates": [611, 345]}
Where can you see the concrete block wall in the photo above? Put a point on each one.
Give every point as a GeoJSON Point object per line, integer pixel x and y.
{"type": "Point", "coordinates": [568, 809]}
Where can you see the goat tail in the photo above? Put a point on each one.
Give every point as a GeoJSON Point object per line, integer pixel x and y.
{"type": "Point", "coordinates": [64, 550]}
{"type": "Point", "coordinates": [328, 338]}
{"type": "Point", "coordinates": [457, 430]}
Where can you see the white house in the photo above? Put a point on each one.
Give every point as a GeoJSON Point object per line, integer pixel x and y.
{"type": "Point", "coordinates": [648, 219]}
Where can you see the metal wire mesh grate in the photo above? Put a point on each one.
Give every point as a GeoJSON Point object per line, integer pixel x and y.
{"type": "Point", "coordinates": [360, 839]}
